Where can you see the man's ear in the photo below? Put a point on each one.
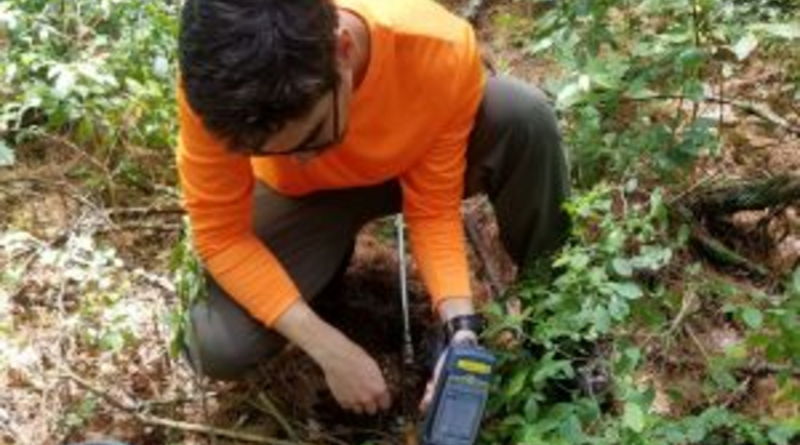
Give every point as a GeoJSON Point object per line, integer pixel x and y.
{"type": "Point", "coordinates": [345, 47]}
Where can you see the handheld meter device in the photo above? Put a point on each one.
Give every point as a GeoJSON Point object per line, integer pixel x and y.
{"type": "Point", "coordinates": [455, 413]}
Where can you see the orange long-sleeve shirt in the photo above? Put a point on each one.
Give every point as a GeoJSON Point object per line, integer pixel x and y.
{"type": "Point", "coordinates": [409, 119]}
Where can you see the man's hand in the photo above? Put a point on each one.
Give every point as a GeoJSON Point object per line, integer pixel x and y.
{"type": "Point", "coordinates": [448, 309]}
{"type": "Point", "coordinates": [355, 379]}
{"type": "Point", "coordinates": [352, 375]}
{"type": "Point", "coordinates": [460, 337]}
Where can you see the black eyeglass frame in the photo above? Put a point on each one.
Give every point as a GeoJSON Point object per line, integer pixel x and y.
{"type": "Point", "coordinates": [305, 148]}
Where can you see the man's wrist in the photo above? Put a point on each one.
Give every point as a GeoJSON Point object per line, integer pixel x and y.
{"type": "Point", "coordinates": [303, 327]}
{"type": "Point", "coordinates": [462, 325]}
{"type": "Point", "coordinates": [464, 336]}
{"type": "Point", "coordinates": [454, 306]}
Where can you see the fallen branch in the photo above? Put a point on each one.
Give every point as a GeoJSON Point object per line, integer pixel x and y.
{"type": "Point", "coordinates": [746, 195]}
{"type": "Point", "coordinates": [148, 419]}
{"type": "Point", "coordinates": [714, 249]}
{"type": "Point", "coordinates": [718, 252]}
{"type": "Point", "coordinates": [757, 109]}
{"type": "Point", "coordinates": [718, 201]}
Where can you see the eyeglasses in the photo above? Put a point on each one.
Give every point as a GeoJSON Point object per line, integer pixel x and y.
{"type": "Point", "coordinates": [310, 144]}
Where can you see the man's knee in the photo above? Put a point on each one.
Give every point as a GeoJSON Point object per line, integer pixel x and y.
{"type": "Point", "coordinates": [523, 111]}
{"type": "Point", "coordinates": [223, 341]}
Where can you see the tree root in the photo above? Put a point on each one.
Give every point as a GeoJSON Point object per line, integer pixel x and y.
{"type": "Point", "coordinates": [746, 195]}
{"type": "Point", "coordinates": [717, 203]}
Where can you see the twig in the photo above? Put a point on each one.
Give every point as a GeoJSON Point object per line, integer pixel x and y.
{"type": "Point", "coordinates": [146, 211]}
{"type": "Point", "coordinates": [143, 225]}
{"type": "Point", "coordinates": [322, 436]}
{"type": "Point", "coordinates": [275, 413]}
{"type": "Point", "coordinates": [704, 182]}
{"type": "Point", "coordinates": [155, 280]}
{"type": "Point", "coordinates": [758, 109]}
{"type": "Point", "coordinates": [109, 180]}
{"type": "Point", "coordinates": [696, 341]}
{"type": "Point", "coordinates": [130, 407]}
{"type": "Point", "coordinates": [147, 405]}
{"type": "Point", "coordinates": [737, 392]}
{"type": "Point", "coordinates": [686, 304]}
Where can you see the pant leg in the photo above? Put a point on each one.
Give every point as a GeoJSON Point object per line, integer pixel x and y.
{"type": "Point", "coordinates": [515, 156]}
{"type": "Point", "coordinates": [313, 238]}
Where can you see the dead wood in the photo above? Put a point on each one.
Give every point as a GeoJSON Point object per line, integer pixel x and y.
{"type": "Point", "coordinates": [714, 204]}
{"type": "Point", "coordinates": [714, 249]}
{"type": "Point", "coordinates": [746, 195]}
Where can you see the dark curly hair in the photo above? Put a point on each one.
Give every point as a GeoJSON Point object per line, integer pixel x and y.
{"type": "Point", "coordinates": [250, 66]}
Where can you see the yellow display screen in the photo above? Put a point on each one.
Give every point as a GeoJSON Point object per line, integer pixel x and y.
{"type": "Point", "coordinates": [473, 366]}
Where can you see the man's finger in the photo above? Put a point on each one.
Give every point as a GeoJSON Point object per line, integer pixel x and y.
{"type": "Point", "coordinates": [385, 400]}
{"type": "Point", "coordinates": [426, 398]}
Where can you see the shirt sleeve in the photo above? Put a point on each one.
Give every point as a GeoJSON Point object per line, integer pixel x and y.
{"type": "Point", "coordinates": [217, 188]}
{"type": "Point", "coordinates": [434, 188]}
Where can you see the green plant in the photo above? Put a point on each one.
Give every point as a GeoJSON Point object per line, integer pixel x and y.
{"type": "Point", "coordinates": [190, 286]}
{"type": "Point", "coordinates": [609, 289]}
{"type": "Point", "coordinates": [635, 74]}
{"type": "Point", "coordinates": [101, 72]}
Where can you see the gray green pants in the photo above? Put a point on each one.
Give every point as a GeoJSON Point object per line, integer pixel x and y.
{"type": "Point", "coordinates": [514, 156]}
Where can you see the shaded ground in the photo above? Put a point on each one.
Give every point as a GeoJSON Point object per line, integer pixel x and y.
{"type": "Point", "coordinates": [86, 297]}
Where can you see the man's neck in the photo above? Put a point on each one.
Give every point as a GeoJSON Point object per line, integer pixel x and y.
{"type": "Point", "coordinates": [361, 36]}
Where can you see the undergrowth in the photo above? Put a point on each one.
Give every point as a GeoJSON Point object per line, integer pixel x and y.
{"type": "Point", "coordinates": [579, 345]}
{"type": "Point", "coordinates": [98, 74]}
{"type": "Point", "coordinates": [622, 300]}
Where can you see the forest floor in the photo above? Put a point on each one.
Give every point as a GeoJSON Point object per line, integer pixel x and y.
{"type": "Point", "coordinates": [86, 294]}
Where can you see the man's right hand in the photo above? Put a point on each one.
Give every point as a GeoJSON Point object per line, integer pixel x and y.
{"type": "Point", "coordinates": [355, 379]}
{"type": "Point", "coordinates": [352, 375]}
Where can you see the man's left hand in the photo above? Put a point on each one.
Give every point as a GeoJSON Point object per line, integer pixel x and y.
{"type": "Point", "coordinates": [461, 337]}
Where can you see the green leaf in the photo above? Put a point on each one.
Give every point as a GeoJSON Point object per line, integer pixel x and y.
{"type": "Point", "coordinates": [745, 46]}
{"type": "Point", "coordinates": [622, 267]}
{"type": "Point", "coordinates": [64, 82]}
{"type": "Point", "coordinates": [7, 158]}
{"type": "Point", "coordinates": [674, 434]}
{"type": "Point", "coordinates": [795, 284]}
{"type": "Point", "coordinates": [602, 320]}
{"type": "Point", "coordinates": [517, 383]}
{"type": "Point", "coordinates": [549, 368]}
{"type": "Point", "coordinates": [695, 433]}
{"type": "Point", "coordinates": [633, 417]}
{"type": "Point", "coordinates": [781, 435]}
{"type": "Point", "coordinates": [572, 93]}
{"type": "Point", "coordinates": [633, 355]}
{"type": "Point", "coordinates": [579, 261]}
{"type": "Point", "coordinates": [629, 290]}
{"type": "Point", "coordinates": [618, 308]}
{"type": "Point", "coordinates": [752, 317]}
{"type": "Point", "coordinates": [571, 430]}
